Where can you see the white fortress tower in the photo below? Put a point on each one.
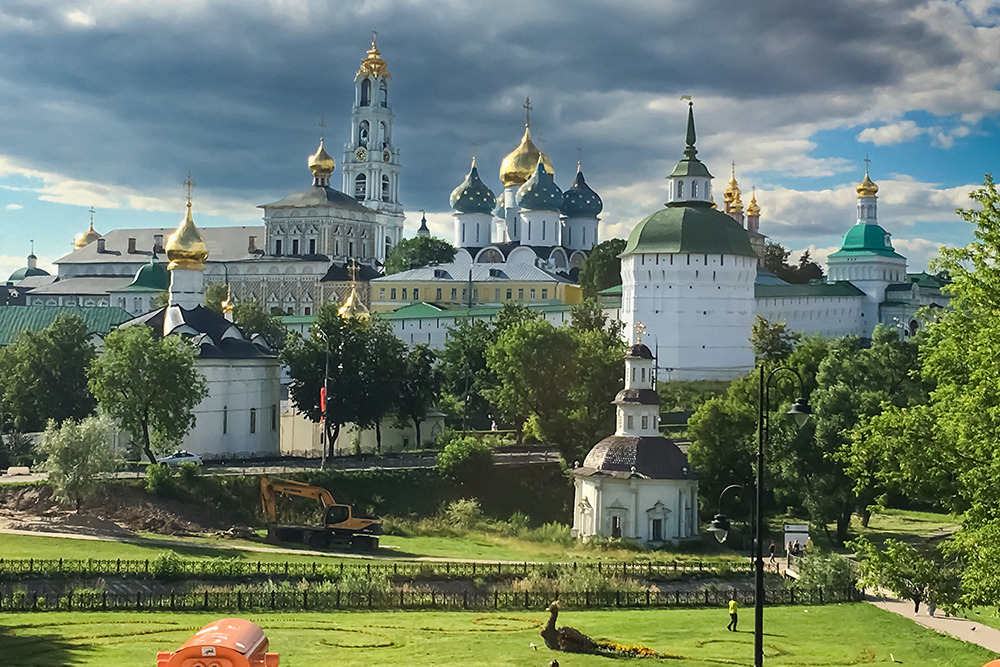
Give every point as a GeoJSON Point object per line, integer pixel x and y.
{"type": "Point", "coordinates": [371, 161]}
{"type": "Point", "coordinates": [688, 274]}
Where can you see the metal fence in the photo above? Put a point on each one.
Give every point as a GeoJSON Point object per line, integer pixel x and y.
{"type": "Point", "coordinates": [15, 568]}
{"type": "Point", "coordinates": [239, 600]}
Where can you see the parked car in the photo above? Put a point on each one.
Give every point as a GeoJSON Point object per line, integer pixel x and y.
{"type": "Point", "coordinates": [179, 457]}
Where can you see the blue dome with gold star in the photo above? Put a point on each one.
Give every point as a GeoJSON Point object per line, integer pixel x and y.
{"type": "Point", "coordinates": [580, 201]}
{"type": "Point", "coordinates": [472, 196]}
{"type": "Point", "coordinates": [499, 210]}
{"type": "Point", "coordinates": [540, 192]}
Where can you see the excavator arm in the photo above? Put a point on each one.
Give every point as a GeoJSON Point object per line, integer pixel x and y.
{"type": "Point", "coordinates": [270, 488]}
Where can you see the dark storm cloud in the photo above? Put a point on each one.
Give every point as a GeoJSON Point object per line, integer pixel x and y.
{"type": "Point", "coordinates": [233, 92]}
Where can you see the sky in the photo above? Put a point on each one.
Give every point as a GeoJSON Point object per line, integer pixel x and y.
{"type": "Point", "coordinates": [110, 103]}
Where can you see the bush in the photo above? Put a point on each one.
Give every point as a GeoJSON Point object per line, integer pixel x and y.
{"type": "Point", "coordinates": [465, 460]}
{"type": "Point", "coordinates": [159, 481]}
{"type": "Point", "coordinates": [167, 564]}
{"type": "Point", "coordinates": [464, 513]}
{"type": "Point", "coordinates": [552, 533]}
{"type": "Point", "coordinates": [819, 571]}
{"type": "Point", "coordinates": [188, 472]}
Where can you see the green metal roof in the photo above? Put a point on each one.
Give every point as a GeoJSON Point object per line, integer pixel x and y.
{"type": "Point", "coordinates": [839, 288]}
{"type": "Point", "coordinates": [612, 291]}
{"type": "Point", "coordinates": [690, 227]}
{"type": "Point", "coordinates": [690, 165]}
{"type": "Point", "coordinates": [152, 277]}
{"type": "Point", "coordinates": [864, 239]}
{"type": "Point", "coordinates": [15, 319]}
{"type": "Point", "coordinates": [423, 310]}
{"type": "Point", "coordinates": [925, 279]}
{"type": "Point", "coordinates": [24, 272]}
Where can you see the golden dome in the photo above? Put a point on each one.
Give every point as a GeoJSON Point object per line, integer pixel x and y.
{"type": "Point", "coordinates": [321, 164]}
{"type": "Point", "coordinates": [518, 167]}
{"type": "Point", "coordinates": [732, 191]}
{"type": "Point", "coordinates": [186, 249]}
{"type": "Point", "coordinates": [714, 205]}
{"type": "Point", "coordinates": [353, 307]}
{"type": "Point", "coordinates": [867, 187]}
{"type": "Point", "coordinates": [373, 64]}
{"type": "Point", "coordinates": [753, 208]}
{"type": "Point", "coordinates": [85, 238]}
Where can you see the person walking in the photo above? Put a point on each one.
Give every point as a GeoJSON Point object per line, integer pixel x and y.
{"type": "Point", "coordinates": [916, 601]}
{"type": "Point", "coordinates": [732, 615]}
{"type": "Point", "coordinates": [771, 549]}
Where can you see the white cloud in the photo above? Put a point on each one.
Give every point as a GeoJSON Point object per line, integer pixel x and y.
{"type": "Point", "coordinates": [79, 19]}
{"type": "Point", "coordinates": [14, 207]}
{"type": "Point", "coordinates": [896, 133]}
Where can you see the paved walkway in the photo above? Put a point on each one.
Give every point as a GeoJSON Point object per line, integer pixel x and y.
{"type": "Point", "coordinates": [956, 626]}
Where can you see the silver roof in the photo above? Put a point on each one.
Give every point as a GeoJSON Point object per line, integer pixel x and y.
{"type": "Point", "coordinates": [225, 244]}
{"type": "Point", "coordinates": [459, 272]}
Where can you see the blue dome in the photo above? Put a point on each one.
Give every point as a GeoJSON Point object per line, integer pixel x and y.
{"type": "Point", "coordinates": [540, 192]}
{"type": "Point", "coordinates": [500, 211]}
{"type": "Point", "coordinates": [472, 196]}
{"type": "Point", "coordinates": [580, 201]}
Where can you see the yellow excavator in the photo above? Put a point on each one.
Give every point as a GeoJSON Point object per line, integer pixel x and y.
{"type": "Point", "coordinates": [340, 524]}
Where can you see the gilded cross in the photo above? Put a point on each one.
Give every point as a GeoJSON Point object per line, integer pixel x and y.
{"type": "Point", "coordinates": [867, 162]}
{"type": "Point", "coordinates": [527, 111]}
{"type": "Point", "coordinates": [352, 270]}
{"type": "Point", "coordinates": [92, 212]}
{"type": "Point", "coordinates": [640, 330]}
{"type": "Point", "coordinates": [188, 184]}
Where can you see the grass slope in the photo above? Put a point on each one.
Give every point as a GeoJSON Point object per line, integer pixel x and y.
{"type": "Point", "coordinates": [818, 636]}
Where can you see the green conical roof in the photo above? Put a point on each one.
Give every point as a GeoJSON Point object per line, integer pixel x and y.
{"type": "Point", "coordinates": [865, 239]}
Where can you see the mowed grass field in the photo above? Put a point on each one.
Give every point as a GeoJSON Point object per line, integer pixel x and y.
{"type": "Point", "coordinates": [836, 635]}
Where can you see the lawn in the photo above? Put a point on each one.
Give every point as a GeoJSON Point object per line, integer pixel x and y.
{"type": "Point", "coordinates": [838, 635]}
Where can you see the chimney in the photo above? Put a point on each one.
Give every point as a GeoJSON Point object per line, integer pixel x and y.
{"type": "Point", "coordinates": [252, 245]}
{"type": "Point", "coordinates": [100, 245]}
{"type": "Point", "coordinates": [158, 243]}
{"type": "Point", "coordinates": [131, 246]}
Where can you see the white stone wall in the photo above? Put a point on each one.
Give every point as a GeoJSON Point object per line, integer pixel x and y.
{"type": "Point", "coordinates": [472, 230]}
{"type": "Point", "coordinates": [830, 317]}
{"type": "Point", "coordinates": [636, 502]}
{"type": "Point", "coordinates": [579, 233]}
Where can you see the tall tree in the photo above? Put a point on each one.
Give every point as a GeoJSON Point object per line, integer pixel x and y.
{"type": "Point", "coordinates": [79, 454]}
{"type": "Point", "coordinates": [382, 374]}
{"type": "Point", "coordinates": [43, 375]}
{"type": "Point", "coordinates": [418, 251]}
{"type": "Point", "coordinates": [603, 268]}
{"type": "Point", "coordinates": [420, 387]}
{"type": "Point", "coordinates": [251, 317]}
{"type": "Point", "coordinates": [776, 261]}
{"type": "Point", "coordinates": [215, 294]}
{"type": "Point", "coordinates": [149, 385]}
{"type": "Point", "coordinates": [772, 342]}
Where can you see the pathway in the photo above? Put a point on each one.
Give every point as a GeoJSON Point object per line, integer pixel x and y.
{"type": "Point", "coordinates": [956, 626]}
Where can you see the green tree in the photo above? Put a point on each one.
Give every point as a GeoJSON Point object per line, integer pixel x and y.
{"type": "Point", "coordinates": [418, 251]}
{"type": "Point", "coordinates": [43, 375]}
{"type": "Point", "coordinates": [79, 455]}
{"type": "Point", "coordinates": [149, 385]}
{"type": "Point", "coordinates": [215, 294]}
{"type": "Point", "coordinates": [161, 300]}
{"type": "Point", "coordinates": [466, 460]}
{"type": "Point", "coordinates": [776, 261]}
{"type": "Point", "coordinates": [603, 268]}
{"type": "Point", "coordinates": [251, 317]}
{"type": "Point", "coordinates": [382, 374]}
{"type": "Point", "coordinates": [772, 342]}
{"type": "Point", "coordinates": [906, 571]}
{"type": "Point", "coordinates": [420, 387]}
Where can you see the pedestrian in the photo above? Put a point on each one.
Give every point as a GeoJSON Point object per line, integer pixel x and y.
{"type": "Point", "coordinates": [796, 549]}
{"type": "Point", "coordinates": [916, 601]}
{"type": "Point", "coordinates": [931, 606]}
{"type": "Point", "coordinates": [732, 615]}
{"type": "Point", "coordinates": [771, 549]}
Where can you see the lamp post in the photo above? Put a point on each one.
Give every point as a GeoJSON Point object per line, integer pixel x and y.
{"type": "Point", "coordinates": [800, 411]}
{"type": "Point", "coordinates": [326, 397]}
{"type": "Point", "coordinates": [720, 523]}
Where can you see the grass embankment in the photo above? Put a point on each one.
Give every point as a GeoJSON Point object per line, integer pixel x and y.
{"type": "Point", "coordinates": [836, 636]}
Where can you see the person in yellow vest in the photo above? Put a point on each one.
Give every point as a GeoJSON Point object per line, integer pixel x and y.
{"type": "Point", "coordinates": [732, 616]}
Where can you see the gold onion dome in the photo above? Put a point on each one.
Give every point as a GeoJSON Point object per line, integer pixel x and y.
{"type": "Point", "coordinates": [373, 64]}
{"type": "Point", "coordinates": [752, 207]}
{"type": "Point", "coordinates": [84, 239]}
{"type": "Point", "coordinates": [736, 204]}
{"type": "Point", "coordinates": [352, 307]}
{"type": "Point", "coordinates": [732, 191]}
{"type": "Point", "coordinates": [321, 164]}
{"type": "Point", "coordinates": [518, 167]}
{"type": "Point", "coordinates": [867, 187]}
{"type": "Point", "coordinates": [186, 249]}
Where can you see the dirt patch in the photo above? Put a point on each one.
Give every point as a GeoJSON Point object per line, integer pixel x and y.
{"type": "Point", "coordinates": [118, 510]}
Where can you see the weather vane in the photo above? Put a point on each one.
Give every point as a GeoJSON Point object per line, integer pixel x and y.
{"type": "Point", "coordinates": [640, 330]}
{"type": "Point", "coordinates": [188, 183]}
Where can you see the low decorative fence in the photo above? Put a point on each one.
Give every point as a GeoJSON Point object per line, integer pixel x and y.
{"type": "Point", "coordinates": [240, 600]}
{"type": "Point", "coordinates": [238, 569]}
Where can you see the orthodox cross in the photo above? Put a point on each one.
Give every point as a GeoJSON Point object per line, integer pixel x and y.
{"type": "Point", "coordinates": [527, 110]}
{"type": "Point", "coordinates": [322, 128]}
{"type": "Point", "coordinates": [374, 35]}
{"type": "Point", "coordinates": [352, 269]}
{"type": "Point", "coordinates": [92, 212]}
{"type": "Point", "coordinates": [579, 156]}
{"type": "Point", "coordinates": [475, 149]}
{"type": "Point", "coordinates": [867, 162]}
{"type": "Point", "coordinates": [640, 330]}
{"type": "Point", "coordinates": [188, 184]}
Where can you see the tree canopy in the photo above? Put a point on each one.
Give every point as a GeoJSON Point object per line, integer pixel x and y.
{"type": "Point", "coordinates": [215, 294]}
{"type": "Point", "coordinates": [149, 385]}
{"type": "Point", "coordinates": [776, 261]}
{"type": "Point", "coordinates": [79, 454]}
{"type": "Point", "coordinates": [772, 342]}
{"type": "Point", "coordinates": [43, 375]}
{"type": "Point", "coordinates": [603, 268]}
{"type": "Point", "coordinates": [251, 317]}
{"type": "Point", "coordinates": [420, 387]}
{"type": "Point", "coordinates": [418, 251]}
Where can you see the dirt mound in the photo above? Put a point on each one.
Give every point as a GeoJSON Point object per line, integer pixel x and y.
{"type": "Point", "coordinates": [118, 510]}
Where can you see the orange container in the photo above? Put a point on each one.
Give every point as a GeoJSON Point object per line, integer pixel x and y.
{"type": "Point", "coordinates": [228, 642]}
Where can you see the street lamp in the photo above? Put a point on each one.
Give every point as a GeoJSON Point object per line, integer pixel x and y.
{"type": "Point", "coordinates": [720, 523]}
{"type": "Point", "coordinates": [800, 410]}
{"type": "Point", "coordinates": [326, 397]}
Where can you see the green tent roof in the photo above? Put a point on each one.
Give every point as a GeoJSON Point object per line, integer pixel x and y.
{"type": "Point", "coordinates": [865, 239]}
{"type": "Point", "coordinates": [15, 319]}
{"type": "Point", "coordinates": [693, 227]}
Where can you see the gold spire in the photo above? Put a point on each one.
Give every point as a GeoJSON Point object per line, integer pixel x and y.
{"type": "Point", "coordinates": [732, 191]}
{"type": "Point", "coordinates": [373, 64]}
{"type": "Point", "coordinates": [84, 239]}
{"type": "Point", "coordinates": [518, 167]}
{"type": "Point", "coordinates": [321, 164]}
{"type": "Point", "coordinates": [352, 306]}
{"type": "Point", "coordinates": [227, 305]}
{"type": "Point", "coordinates": [186, 249]}
{"type": "Point", "coordinates": [753, 208]}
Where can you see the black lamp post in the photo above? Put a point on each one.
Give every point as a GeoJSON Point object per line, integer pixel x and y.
{"type": "Point", "coordinates": [800, 411]}
{"type": "Point", "coordinates": [720, 523]}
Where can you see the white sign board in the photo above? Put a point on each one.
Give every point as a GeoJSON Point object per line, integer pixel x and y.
{"type": "Point", "coordinates": [793, 532]}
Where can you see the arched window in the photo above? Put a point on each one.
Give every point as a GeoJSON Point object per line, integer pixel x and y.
{"type": "Point", "coordinates": [359, 186]}
{"type": "Point", "coordinates": [388, 245]}
{"type": "Point", "coordinates": [680, 189]}
{"type": "Point", "coordinates": [694, 189]}
{"type": "Point", "coordinates": [385, 188]}
{"type": "Point", "coordinates": [363, 133]}
{"type": "Point", "coordinates": [366, 93]}
{"type": "Point", "coordinates": [384, 134]}
{"type": "Point", "coordinates": [383, 94]}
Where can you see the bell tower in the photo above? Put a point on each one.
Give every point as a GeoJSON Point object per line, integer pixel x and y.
{"type": "Point", "coordinates": [371, 160]}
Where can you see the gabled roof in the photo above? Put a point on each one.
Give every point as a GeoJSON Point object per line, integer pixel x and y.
{"type": "Point", "coordinates": [459, 273]}
{"type": "Point", "coordinates": [15, 319]}
{"type": "Point", "coordinates": [319, 195]}
{"type": "Point", "coordinates": [225, 244]}
{"type": "Point", "coordinates": [423, 310]}
{"type": "Point", "coordinates": [840, 288]}
{"type": "Point", "coordinates": [82, 285]}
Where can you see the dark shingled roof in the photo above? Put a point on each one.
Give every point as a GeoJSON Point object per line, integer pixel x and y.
{"type": "Point", "coordinates": [640, 351]}
{"type": "Point", "coordinates": [338, 274]}
{"type": "Point", "coordinates": [217, 337]}
{"type": "Point", "coordinates": [653, 457]}
{"type": "Point", "coordinates": [640, 396]}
